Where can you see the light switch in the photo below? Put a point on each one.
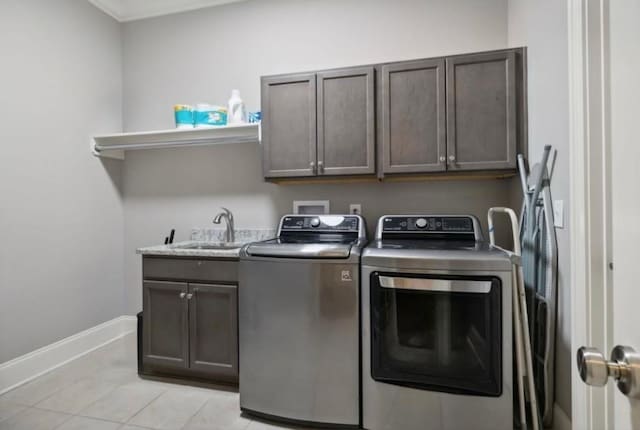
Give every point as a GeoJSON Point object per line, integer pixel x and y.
{"type": "Point", "coordinates": [558, 213]}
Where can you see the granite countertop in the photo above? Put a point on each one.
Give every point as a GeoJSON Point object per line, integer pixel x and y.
{"type": "Point", "coordinates": [190, 248]}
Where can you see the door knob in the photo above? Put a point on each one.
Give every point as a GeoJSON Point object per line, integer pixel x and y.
{"type": "Point", "coordinates": [624, 367]}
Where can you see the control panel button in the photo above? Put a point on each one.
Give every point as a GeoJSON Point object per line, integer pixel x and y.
{"type": "Point", "coordinates": [315, 222]}
{"type": "Point", "coordinates": [421, 223]}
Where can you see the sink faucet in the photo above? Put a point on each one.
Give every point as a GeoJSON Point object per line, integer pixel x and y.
{"type": "Point", "coordinates": [228, 217]}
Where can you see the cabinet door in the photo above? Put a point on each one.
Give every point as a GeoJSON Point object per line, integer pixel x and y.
{"type": "Point", "coordinates": [346, 122]}
{"type": "Point", "coordinates": [166, 329]}
{"type": "Point", "coordinates": [289, 125]}
{"type": "Point", "coordinates": [481, 111]}
{"type": "Point", "coordinates": [213, 327]}
{"type": "Point", "coordinates": [413, 117]}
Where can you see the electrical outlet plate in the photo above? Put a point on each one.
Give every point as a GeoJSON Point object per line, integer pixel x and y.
{"type": "Point", "coordinates": [355, 209]}
{"type": "Point", "coordinates": [558, 213]}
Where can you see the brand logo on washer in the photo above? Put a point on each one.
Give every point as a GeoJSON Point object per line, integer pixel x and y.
{"type": "Point", "coordinates": [346, 276]}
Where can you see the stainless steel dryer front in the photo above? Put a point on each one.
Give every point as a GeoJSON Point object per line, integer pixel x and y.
{"type": "Point", "coordinates": [436, 327]}
{"type": "Point", "coordinates": [299, 321]}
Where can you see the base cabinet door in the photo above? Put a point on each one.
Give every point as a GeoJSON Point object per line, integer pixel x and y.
{"type": "Point", "coordinates": [413, 117]}
{"type": "Point", "coordinates": [213, 328]}
{"type": "Point", "coordinates": [166, 329]}
{"type": "Point", "coordinates": [482, 111]}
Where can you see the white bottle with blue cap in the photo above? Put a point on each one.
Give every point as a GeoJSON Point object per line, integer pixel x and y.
{"type": "Point", "coordinates": [236, 113]}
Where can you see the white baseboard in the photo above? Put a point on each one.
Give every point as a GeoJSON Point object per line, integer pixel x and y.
{"type": "Point", "coordinates": [561, 420]}
{"type": "Point", "coordinates": [36, 363]}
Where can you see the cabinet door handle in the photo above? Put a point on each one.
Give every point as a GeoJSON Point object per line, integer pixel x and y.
{"type": "Point", "coordinates": [182, 295]}
{"type": "Point", "coordinates": [313, 166]}
{"type": "Point", "coordinates": [321, 166]}
{"type": "Point", "coordinates": [189, 296]}
{"type": "Point", "coordinates": [452, 158]}
{"type": "Point", "coordinates": [443, 158]}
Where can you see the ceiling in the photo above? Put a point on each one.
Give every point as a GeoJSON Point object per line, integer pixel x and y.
{"type": "Point", "coordinates": [130, 10]}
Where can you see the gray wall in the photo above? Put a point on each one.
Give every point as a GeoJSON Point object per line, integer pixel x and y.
{"type": "Point", "coordinates": [542, 26]}
{"type": "Point", "coordinates": [202, 55]}
{"type": "Point", "coordinates": [61, 219]}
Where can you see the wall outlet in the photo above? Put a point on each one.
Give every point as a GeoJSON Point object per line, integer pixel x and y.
{"type": "Point", "coordinates": [355, 209]}
{"type": "Point", "coordinates": [558, 213]}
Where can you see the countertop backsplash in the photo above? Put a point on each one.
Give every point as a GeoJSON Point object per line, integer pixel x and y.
{"type": "Point", "coordinates": [244, 235]}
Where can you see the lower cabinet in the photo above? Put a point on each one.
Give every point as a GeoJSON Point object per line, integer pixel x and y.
{"type": "Point", "coordinates": [191, 329]}
{"type": "Point", "coordinates": [213, 328]}
{"type": "Point", "coordinates": [165, 324]}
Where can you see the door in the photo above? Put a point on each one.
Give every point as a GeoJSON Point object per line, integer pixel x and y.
{"type": "Point", "coordinates": [437, 333]}
{"type": "Point", "coordinates": [481, 111]}
{"type": "Point", "coordinates": [615, 148]}
{"type": "Point", "coordinates": [346, 122]}
{"type": "Point", "coordinates": [166, 330]}
{"type": "Point", "coordinates": [625, 196]}
{"type": "Point", "coordinates": [289, 125]}
{"type": "Point", "coordinates": [213, 327]}
{"type": "Point", "coordinates": [413, 117]}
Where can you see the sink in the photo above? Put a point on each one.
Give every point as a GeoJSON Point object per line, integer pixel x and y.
{"type": "Point", "coordinates": [209, 245]}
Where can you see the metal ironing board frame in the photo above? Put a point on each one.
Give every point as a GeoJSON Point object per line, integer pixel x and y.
{"type": "Point", "coordinates": [540, 267]}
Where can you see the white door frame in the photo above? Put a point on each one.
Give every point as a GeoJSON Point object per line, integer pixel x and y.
{"type": "Point", "coordinates": [590, 207]}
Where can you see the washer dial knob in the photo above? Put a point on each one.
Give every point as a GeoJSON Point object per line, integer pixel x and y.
{"type": "Point", "coordinates": [315, 222]}
{"type": "Point", "coordinates": [421, 223]}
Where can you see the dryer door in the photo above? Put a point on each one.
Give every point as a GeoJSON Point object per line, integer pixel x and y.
{"type": "Point", "coordinates": [438, 333]}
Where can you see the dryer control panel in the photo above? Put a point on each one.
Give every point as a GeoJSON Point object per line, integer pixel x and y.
{"type": "Point", "coordinates": [454, 227]}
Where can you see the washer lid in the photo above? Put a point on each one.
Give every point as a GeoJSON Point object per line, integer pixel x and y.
{"type": "Point", "coordinates": [435, 255]}
{"type": "Point", "coordinates": [280, 248]}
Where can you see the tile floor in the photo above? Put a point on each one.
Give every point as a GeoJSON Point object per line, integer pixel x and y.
{"type": "Point", "coordinates": [102, 391]}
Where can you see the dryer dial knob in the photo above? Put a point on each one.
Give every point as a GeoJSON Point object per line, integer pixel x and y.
{"type": "Point", "coordinates": [315, 222]}
{"type": "Point", "coordinates": [421, 223]}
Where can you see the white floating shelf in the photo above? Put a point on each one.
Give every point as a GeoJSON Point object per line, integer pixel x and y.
{"type": "Point", "coordinates": [115, 145]}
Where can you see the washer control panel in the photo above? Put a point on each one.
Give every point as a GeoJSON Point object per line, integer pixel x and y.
{"type": "Point", "coordinates": [323, 223]}
{"type": "Point", "coordinates": [429, 225]}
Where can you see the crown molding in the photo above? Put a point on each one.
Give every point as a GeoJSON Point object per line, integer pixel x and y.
{"type": "Point", "coordinates": [129, 10]}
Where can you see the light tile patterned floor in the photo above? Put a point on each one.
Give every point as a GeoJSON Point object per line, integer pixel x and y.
{"type": "Point", "coordinates": [102, 391]}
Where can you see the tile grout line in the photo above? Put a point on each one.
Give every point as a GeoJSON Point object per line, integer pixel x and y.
{"type": "Point", "coordinates": [144, 407]}
{"type": "Point", "coordinates": [69, 417]}
{"type": "Point", "coordinates": [71, 413]}
{"type": "Point", "coordinates": [195, 413]}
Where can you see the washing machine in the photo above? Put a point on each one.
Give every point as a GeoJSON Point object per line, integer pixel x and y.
{"type": "Point", "coordinates": [436, 327]}
{"type": "Point", "coordinates": [299, 322]}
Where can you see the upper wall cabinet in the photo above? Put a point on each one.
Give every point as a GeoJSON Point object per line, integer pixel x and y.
{"type": "Point", "coordinates": [289, 138]}
{"type": "Point", "coordinates": [319, 124]}
{"type": "Point", "coordinates": [452, 114]}
{"type": "Point", "coordinates": [413, 117]}
{"type": "Point", "coordinates": [346, 122]}
{"type": "Point", "coordinates": [481, 111]}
